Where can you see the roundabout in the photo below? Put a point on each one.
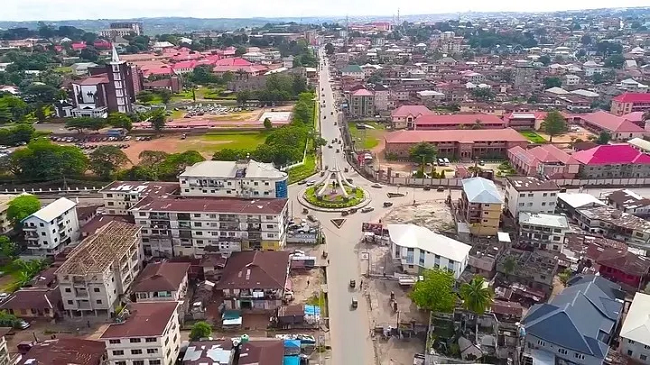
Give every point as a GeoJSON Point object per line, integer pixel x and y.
{"type": "Point", "coordinates": [334, 192]}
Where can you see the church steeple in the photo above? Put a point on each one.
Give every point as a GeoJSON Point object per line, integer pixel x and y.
{"type": "Point", "coordinates": [115, 58]}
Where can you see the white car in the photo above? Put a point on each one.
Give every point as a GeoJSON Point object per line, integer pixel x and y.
{"type": "Point", "coordinates": [311, 182]}
{"type": "Point", "coordinates": [3, 296]}
{"type": "Point", "coordinates": [367, 209]}
{"type": "Point", "coordinates": [378, 186]}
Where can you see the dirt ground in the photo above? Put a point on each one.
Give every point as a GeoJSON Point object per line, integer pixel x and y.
{"type": "Point", "coordinates": [307, 286]}
{"type": "Point", "coordinates": [577, 132]}
{"type": "Point", "coordinates": [399, 351]}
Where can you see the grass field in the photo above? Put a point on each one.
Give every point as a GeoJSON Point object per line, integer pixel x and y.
{"type": "Point", "coordinates": [233, 140]}
{"type": "Point", "coordinates": [533, 136]}
{"type": "Point", "coordinates": [368, 138]}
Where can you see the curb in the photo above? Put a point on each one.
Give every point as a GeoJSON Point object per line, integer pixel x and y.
{"type": "Point", "coordinates": [306, 204]}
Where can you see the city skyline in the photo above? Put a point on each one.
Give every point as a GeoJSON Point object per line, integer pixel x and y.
{"type": "Point", "coordinates": [57, 10]}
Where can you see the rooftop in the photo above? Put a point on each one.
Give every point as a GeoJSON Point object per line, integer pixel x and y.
{"type": "Point", "coordinates": [616, 218]}
{"type": "Point", "coordinates": [577, 200]}
{"type": "Point", "coordinates": [255, 270]}
{"type": "Point", "coordinates": [65, 351]}
{"type": "Point", "coordinates": [532, 184]}
{"type": "Point", "coordinates": [410, 110]}
{"type": "Point", "coordinates": [161, 276]}
{"type": "Point", "coordinates": [143, 320]}
{"type": "Point", "coordinates": [627, 199]}
{"type": "Point", "coordinates": [412, 236]}
{"type": "Point", "coordinates": [458, 119]}
{"type": "Point", "coordinates": [234, 170]}
{"type": "Point", "coordinates": [457, 135]}
{"type": "Point", "coordinates": [625, 261]}
{"type": "Point", "coordinates": [33, 297]}
{"type": "Point", "coordinates": [636, 326]}
{"type": "Point", "coordinates": [97, 252]}
{"type": "Point", "coordinates": [542, 219]}
{"type": "Point", "coordinates": [612, 154]}
{"type": "Point", "coordinates": [481, 190]}
{"type": "Point", "coordinates": [633, 98]}
{"type": "Point", "coordinates": [53, 210]}
{"type": "Point", "coordinates": [220, 205]}
{"type": "Point", "coordinates": [611, 122]}
{"type": "Point", "coordinates": [142, 188]}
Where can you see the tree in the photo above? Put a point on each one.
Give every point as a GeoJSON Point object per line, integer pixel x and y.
{"type": "Point", "coordinates": [106, 160]}
{"type": "Point", "coordinates": [120, 120]}
{"type": "Point", "coordinates": [550, 82]}
{"type": "Point", "coordinates": [329, 48]}
{"type": "Point", "coordinates": [45, 94]}
{"type": "Point", "coordinates": [152, 158]}
{"type": "Point", "coordinates": [477, 124]}
{"type": "Point", "coordinates": [8, 249]}
{"type": "Point", "coordinates": [42, 160]}
{"type": "Point", "coordinates": [267, 123]}
{"type": "Point", "coordinates": [81, 123]}
{"type": "Point", "coordinates": [554, 124]}
{"type": "Point", "coordinates": [509, 265]}
{"type": "Point", "coordinates": [176, 163]}
{"type": "Point", "coordinates": [564, 276]}
{"type": "Point", "coordinates": [604, 137]}
{"type": "Point", "coordinates": [239, 51]}
{"type": "Point", "coordinates": [200, 330]}
{"type": "Point", "coordinates": [165, 95]}
{"type": "Point", "coordinates": [615, 61]}
{"type": "Point", "coordinates": [242, 97]}
{"type": "Point", "coordinates": [12, 108]}
{"type": "Point", "coordinates": [435, 291]}
{"type": "Point", "coordinates": [21, 207]}
{"type": "Point", "coordinates": [145, 96]}
{"type": "Point", "coordinates": [586, 39]}
{"type": "Point", "coordinates": [28, 269]}
{"type": "Point", "coordinates": [89, 54]}
{"type": "Point", "coordinates": [158, 118]}
{"type": "Point", "coordinates": [9, 320]}
{"type": "Point", "coordinates": [476, 296]}
{"type": "Point", "coordinates": [229, 154]}
{"type": "Point", "coordinates": [423, 153]}
{"type": "Point", "coordinates": [545, 60]}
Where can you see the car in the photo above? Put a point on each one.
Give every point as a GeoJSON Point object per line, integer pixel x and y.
{"type": "Point", "coordinates": [376, 185]}
{"type": "Point", "coordinates": [302, 182]}
{"type": "Point", "coordinates": [481, 163]}
{"type": "Point", "coordinates": [22, 324]}
{"type": "Point", "coordinates": [329, 146]}
{"type": "Point", "coordinates": [3, 296]}
{"type": "Point", "coordinates": [440, 189]}
{"type": "Point", "coordinates": [388, 204]}
{"type": "Point", "coordinates": [367, 209]}
{"type": "Point", "coordinates": [311, 182]}
{"type": "Point", "coordinates": [311, 218]}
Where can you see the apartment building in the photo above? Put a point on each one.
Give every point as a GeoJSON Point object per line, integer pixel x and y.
{"type": "Point", "coordinates": [120, 196]}
{"type": "Point", "coordinates": [545, 160]}
{"type": "Point", "coordinates": [479, 206]}
{"type": "Point", "coordinates": [630, 102]}
{"type": "Point", "coordinates": [144, 334]}
{"type": "Point", "coordinates": [613, 161]}
{"type": "Point", "coordinates": [4, 351]}
{"type": "Point", "coordinates": [543, 231]}
{"type": "Point", "coordinates": [100, 270]}
{"type": "Point", "coordinates": [628, 201]}
{"type": "Point", "coordinates": [612, 223]}
{"type": "Point", "coordinates": [5, 224]}
{"type": "Point", "coordinates": [361, 104]}
{"type": "Point", "coordinates": [635, 339]}
{"type": "Point", "coordinates": [417, 248]}
{"type": "Point", "coordinates": [530, 194]}
{"type": "Point", "coordinates": [234, 179]}
{"type": "Point", "coordinates": [196, 226]}
{"type": "Point", "coordinates": [162, 281]}
{"type": "Point", "coordinates": [51, 228]}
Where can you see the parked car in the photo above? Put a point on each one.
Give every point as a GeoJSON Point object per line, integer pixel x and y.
{"type": "Point", "coordinates": [376, 185]}
{"type": "Point", "coordinates": [302, 182]}
{"type": "Point", "coordinates": [367, 209]}
{"type": "Point", "coordinates": [388, 204]}
{"type": "Point", "coordinates": [311, 182]}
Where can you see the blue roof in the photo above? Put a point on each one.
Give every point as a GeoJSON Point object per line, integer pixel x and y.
{"type": "Point", "coordinates": [291, 360]}
{"type": "Point", "coordinates": [292, 343]}
{"type": "Point", "coordinates": [580, 318]}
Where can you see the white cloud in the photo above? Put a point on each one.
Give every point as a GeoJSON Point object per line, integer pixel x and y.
{"type": "Point", "coordinates": [104, 9]}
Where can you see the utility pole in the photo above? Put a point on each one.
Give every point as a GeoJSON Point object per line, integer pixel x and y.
{"type": "Point", "coordinates": [347, 32]}
{"type": "Point", "coordinates": [398, 23]}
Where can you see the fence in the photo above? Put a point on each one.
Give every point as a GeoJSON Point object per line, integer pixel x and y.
{"type": "Point", "coordinates": [81, 189]}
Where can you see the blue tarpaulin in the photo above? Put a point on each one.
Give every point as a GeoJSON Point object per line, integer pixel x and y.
{"type": "Point", "coordinates": [291, 360]}
{"type": "Point", "coordinates": [292, 343]}
{"type": "Point", "coordinates": [312, 310]}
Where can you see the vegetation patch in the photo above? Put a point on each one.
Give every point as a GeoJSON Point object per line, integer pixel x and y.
{"type": "Point", "coordinates": [533, 136]}
{"type": "Point", "coordinates": [366, 138]}
{"type": "Point", "coordinates": [336, 200]}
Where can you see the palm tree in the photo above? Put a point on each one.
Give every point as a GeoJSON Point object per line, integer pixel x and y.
{"type": "Point", "coordinates": [477, 297]}
{"type": "Point", "coordinates": [477, 124]}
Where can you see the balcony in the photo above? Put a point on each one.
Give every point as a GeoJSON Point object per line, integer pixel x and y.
{"type": "Point", "coordinates": [83, 305]}
{"type": "Point", "coordinates": [29, 228]}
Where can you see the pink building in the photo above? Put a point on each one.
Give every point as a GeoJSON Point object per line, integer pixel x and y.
{"type": "Point", "coordinates": [546, 160]}
{"type": "Point", "coordinates": [458, 121]}
{"type": "Point", "coordinates": [404, 116]}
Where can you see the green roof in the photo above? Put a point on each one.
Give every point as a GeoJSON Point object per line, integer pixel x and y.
{"type": "Point", "coordinates": [352, 68]}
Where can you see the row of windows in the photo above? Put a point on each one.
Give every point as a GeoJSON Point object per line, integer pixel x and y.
{"type": "Point", "coordinates": [213, 216]}
{"type": "Point", "coordinates": [530, 195]}
{"type": "Point", "coordinates": [134, 340]}
{"type": "Point", "coordinates": [134, 352]}
{"type": "Point", "coordinates": [139, 362]}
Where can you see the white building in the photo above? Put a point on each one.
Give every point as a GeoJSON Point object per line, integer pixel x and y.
{"type": "Point", "coordinates": [635, 332]}
{"type": "Point", "coordinates": [194, 226]}
{"type": "Point", "coordinates": [530, 194]}
{"type": "Point", "coordinates": [98, 272]}
{"type": "Point", "coordinates": [5, 224]}
{"type": "Point", "coordinates": [120, 196]}
{"type": "Point", "coordinates": [145, 334]}
{"type": "Point", "coordinates": [232, 179]}
{"type": "Point", "coordinates": [628, 201]}
{"type": "Point", "coordinates": [162, 281]}
{"type": "Point", "coordinates": [592, 68]}
{"type": "Point", "coordinates": [417, 248]}
{"type": "Point", "coordinates": [543, 231]}
{"type": "Point", "coordinates": [51, 228]}
{"type": "Point", "coordinates": [4, 351]}
{"type": "Point", "coordinates": [572, 80]}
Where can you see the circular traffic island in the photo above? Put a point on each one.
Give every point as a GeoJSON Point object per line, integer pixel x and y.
{"type": "Point", "coordinates": [332, 196]}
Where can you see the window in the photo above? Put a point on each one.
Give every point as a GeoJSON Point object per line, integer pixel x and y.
{"type": "Point", "coordinates": [562, 351]}
{"type": "Point", "coordinates": [136, 352]}
{"type": "Point", "coordinates": [142, 214]}
{"type": "Point", "coordinates": [138, 362]}
{"type": "Point", "coordinates": [643, 357]}
{"type": "Point", "coordinates": [118, 352]}
{"type": "Point", "coordinates": [152, 351]}
{"type": "Point", "coordinates": [99, 301]}
{"type": "Point", "coordinates": [543, 204]}
{"type": "Point", "coordinates": [134, 340]}
{"type": "Point", "coordinates": [120, 363]}
{"type": "Point", "coordinates": [70, 302]}
{"type": "Point", "coordinates": [68, 290]}
{"type": "Point", "coordinates": [582, 357]}
{"type": "Point", "coordinates": [630, 341]}
{"type": "Point", "coordinates": [114, 341]}
{"type": "Point", "coordinates": [197, 215]}
{"type": "Point", "coordinates": [154, 362]}
{"type": "Point", "coordinates": [96, 290]}
{"type": "Point", "coordinates": [545, 194]}
{"type": "Point", "coordinates": [541, 343]}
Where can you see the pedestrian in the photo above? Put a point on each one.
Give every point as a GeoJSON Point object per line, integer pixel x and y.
{"type": "Point", "coordinates": [307, 282]}
{"type": "Point", "coordinates": [328, 261]}
{"type": "Point", "coordinates": [361, 285]}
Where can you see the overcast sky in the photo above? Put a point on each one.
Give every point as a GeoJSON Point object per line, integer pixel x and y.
{"type": "Point", "coordinates": [104, 9]}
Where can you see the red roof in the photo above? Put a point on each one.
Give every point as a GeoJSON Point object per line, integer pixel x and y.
{"type": "Point", "coordinates": [633, 98]}
{"type": "Point", "coordinates": [456, 135]}
{"type": "Point", "coordinates": [65, 351]}
{"type": "Point", "coordinates": [548, 153]}
{"type": "Point", "coordinates": [94, 80]}
{"type": "Point", "coordinates": [412, 110]}
{"type": "Point", "coordinates": [234, 61]}
{"type": "Point", "coordinates": [161, 276]}
{"type": "Point", "coordinates": [255, 270]}
{"type": "Point", "coordinates": [221, 205]}
{"type": "Point", "coordinates": [145, 320]}
{"type": "Point", "coordinates": [78, 46]}
{"type": "Point", "coordinates": [611, 122]}
{"type": "Point", "coordinates": [458, 119]}
{"type": "Point", "coordinates": [612, 154]}
{"type": "Point", "coordinates": [362, 92]}
{"type": "Point", "coordinates": [634, 117]}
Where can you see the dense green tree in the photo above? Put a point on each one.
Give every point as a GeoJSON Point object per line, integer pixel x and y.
{"type": "Point", "coordinates": [200, 330]}
{"type": "Point", "coordinates": [436, 291]}
{"type": "Point", "coordinates": [165, 95]}
{"type": "Point", "coordinates": [22, 207]}
{"type": "Point", "coordinates": [176, 163]}
{"type": "Point", "coordinates": [119, 120]}
{"type": "Point", "coordinates": [107, 160]}
{"type": "Point", "coordinates": [12, 108]}
{"type": "Point", "coordinates": [158, 119]}
{"type": "Point", "coordinates": [615, 61]}
{"type": "Point", "coordinates": [476, 295]}
{"type": "Point", "coordinates": [554, 124]}
{"type": "Point", "coordinates": [42, 160]}
{"type": "Point", "coordinates": [604, 137]}
{"type": "Point", "coordinates": [145, 96]}
{"type": "Point", "coordinates": [45, 94]}
{"type": "Point", "coordinates": [267, 123]}
{"type": "Point", "coordinates": [229, 154]}
{"type": "Point", "coordinates": [423, 153]}
{"type": "Point", "coordinates": [81, 123]}
{"type": "Point", "coordinates": [545, 60]}
{"type": "Point", "coordinates": [152, 158]}
{"type": "Point", "coordinates": [550, 82]}
{"type": "Point", "coordinates": [8, 249]}
{"type": "Point", "coordinates": [329, 48]}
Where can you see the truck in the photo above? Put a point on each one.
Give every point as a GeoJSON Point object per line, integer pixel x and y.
{"type": "Point", "coordinates": [395, 194]}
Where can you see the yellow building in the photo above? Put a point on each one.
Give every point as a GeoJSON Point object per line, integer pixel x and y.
{"type": "Point", "coordinates": [480, 206]}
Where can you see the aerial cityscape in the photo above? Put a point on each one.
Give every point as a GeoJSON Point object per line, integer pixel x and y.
{"type": "Point", "coordinates": [442, 184]}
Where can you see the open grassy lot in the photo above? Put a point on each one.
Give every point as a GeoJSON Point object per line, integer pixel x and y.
{"type": "Point", "coordinates": [234, 140]}
{"type": "Point", "coordinates": [533, 136]}
{"type": "Point", "coordinates": [367, 138]}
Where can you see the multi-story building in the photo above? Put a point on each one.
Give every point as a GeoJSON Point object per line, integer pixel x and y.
{"type": "Point", "coordinates": [353, 71]}
{"type": "Point", "coordinates": [144, 334]}
{"type": "Point", "coordinates": [361, 104]}
{"type": "Point", "coordinates": [120, 196]}
{"type": "Point", "coordinates": [405, 115]}
{"type": "Point", "coordinates": [612, 223]}
{"type": "Point", "coordinates": [195, 226]}
{"type": "Point", "coordinates": [458, 121]}
{"type": "Point", "coordinates": [5, 224]}
{"type": "Point", "coordinates": [121, 29]}
{"type": "Point", "coordinates": [613, 161]}
{"type": "Point", "coordinates": [110, 88]}
{"type": "Point", "coordinates": [543, 231]}
{"type": "Point", "coordinates": [545, 160]}
{"type": "Point", "coordinates": [51, 228]}
{"type": "Point", "coordinates": [480, 205]}
{"type": "Point", "coordinates": [619, 128]}
{"type": "Point", "coordinates": [162, 281]}
{"type": "Point", "coordinates": [530, 194]}
{"type": "Point", "coordinates": [630, 102]}
{"type": "Point", "coordinates": [65, 351]}
{"type": "Point", "coordinates": [635, 340]}
{"type": "Point", "coordinates": [381, 94]}
{"type": "Point", "coordinates": [457, 144]}
{"type": "Point", "coordinates": [232, 179]}
{"type": "Point", "coordinates": [255, 280]}
{"type": "Point", "coordinates": [628, 201]}
{"type": "Point", "coordinates": [417, 248]}
{"type": "Point", "coordinates": [100, 270]}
